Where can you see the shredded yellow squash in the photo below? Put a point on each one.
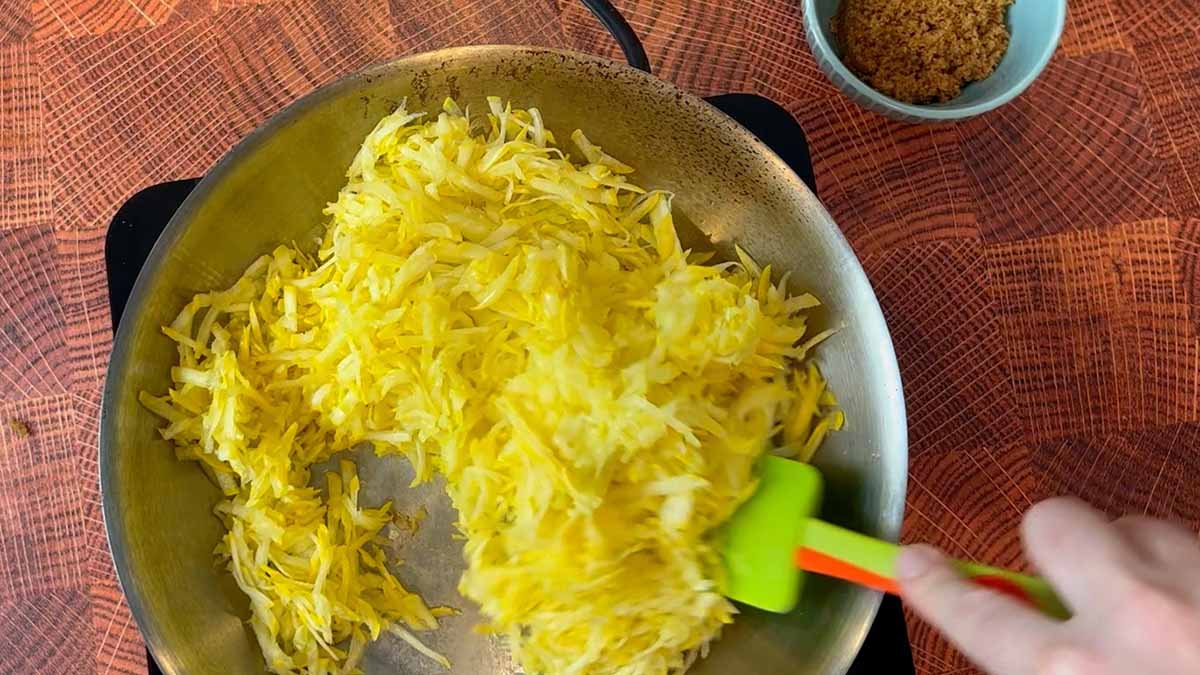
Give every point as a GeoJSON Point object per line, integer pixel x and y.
{"type": "Point", "coordinates": [527, 324]}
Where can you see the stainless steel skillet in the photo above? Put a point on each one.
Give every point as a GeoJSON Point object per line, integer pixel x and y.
{"type": "Point", "coordinates": [271, 189]}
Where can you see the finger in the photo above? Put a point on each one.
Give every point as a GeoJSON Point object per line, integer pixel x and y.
{"type": "Point", "coordinates": [1077, 550]}
{"type": "Point", "coordinates": [1160, 541]}
{"type": "Point", "coordinates": [996, 632]}
{"type": "Point", "coordinates": [1166, 551]}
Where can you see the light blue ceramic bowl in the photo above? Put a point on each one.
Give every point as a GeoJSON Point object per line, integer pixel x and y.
{"type": "Point", "coordinates": [1035, 26]}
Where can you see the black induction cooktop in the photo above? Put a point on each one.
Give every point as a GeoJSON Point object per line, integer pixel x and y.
{"type": "Point", "coordinates": [145, 215]}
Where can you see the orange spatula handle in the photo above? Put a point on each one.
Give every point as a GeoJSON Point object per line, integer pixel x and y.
{"type": "Point", "coordinates": [816, 562]}
{"type": "Point", "coordinates": [837, 552]}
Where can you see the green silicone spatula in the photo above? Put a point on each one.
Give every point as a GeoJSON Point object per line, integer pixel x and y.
{"type": "Point", "coordinates": [774, 537]}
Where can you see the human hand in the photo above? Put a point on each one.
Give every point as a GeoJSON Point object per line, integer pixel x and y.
{"type": "Point", "coordinates": [1132, 585]}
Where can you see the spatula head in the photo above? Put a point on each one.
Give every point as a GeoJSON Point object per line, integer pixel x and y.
{"type": "Point", "coordinates": [761, 538]}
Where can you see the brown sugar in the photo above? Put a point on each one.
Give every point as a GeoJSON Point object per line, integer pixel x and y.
{"type": "Point", "coordinates": [921, 51]}
{"type": "Point", "coordinates": [19, 427]}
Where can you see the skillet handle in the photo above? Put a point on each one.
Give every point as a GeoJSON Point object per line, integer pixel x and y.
{"type": "Point", "coordinates": [621, 31]}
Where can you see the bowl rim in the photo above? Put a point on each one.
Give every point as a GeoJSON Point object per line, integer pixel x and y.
{"type": "Point", "coordinates": [825, 51]}
{"type": "Point", "coordinates": [117, 536]}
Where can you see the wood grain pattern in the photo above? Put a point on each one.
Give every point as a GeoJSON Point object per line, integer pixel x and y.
{"type": "Point", "coordinates": [956, 374]}
{"type": "Point", "coordinates": [1171, 72]}
{"type": "Point", "coordinates": [966, 500]}
{"type": "Point", "coordinates": [889, 184]}
{"type": "Point", "coordinates": [270, 55]}
{"type": "Point", "coordinates": [24, 179]}
{"type": "Point", "coordinates": [42, 524]}
{"type": "Point", "coordinates": [1039, 266]}
{"type": "Point", "coordinates": [1075, 154]}
{"type": "Point", "coordinates": [1097, 330]}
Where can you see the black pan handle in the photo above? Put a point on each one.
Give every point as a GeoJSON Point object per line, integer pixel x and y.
{"type": "Point", "coordinates": [619, 28]}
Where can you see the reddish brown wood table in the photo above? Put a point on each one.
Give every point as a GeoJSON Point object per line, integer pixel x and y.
{"type": "Point", "coordinates": [1039, 266]}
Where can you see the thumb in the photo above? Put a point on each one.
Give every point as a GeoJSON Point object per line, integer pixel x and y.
{"type": "Point", "coordinates": [996, 632]}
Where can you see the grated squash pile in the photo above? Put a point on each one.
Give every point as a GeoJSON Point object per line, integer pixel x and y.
{"type": "Point", "coordinates": [525, 323]}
